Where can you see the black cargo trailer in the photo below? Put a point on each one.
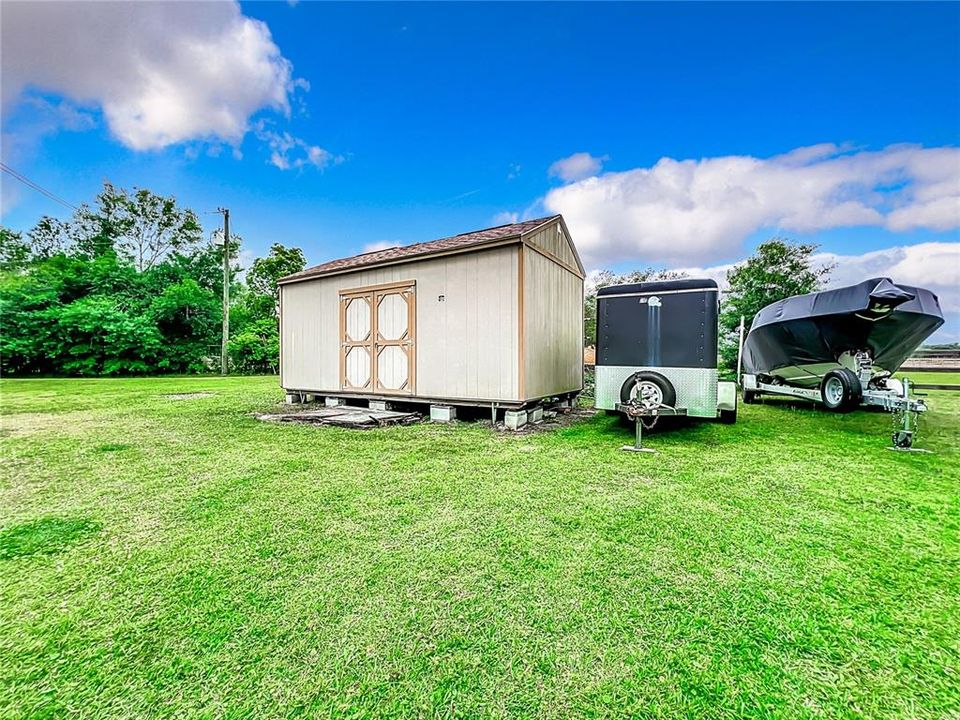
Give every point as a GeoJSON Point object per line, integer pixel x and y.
{"type": "Point", "coordinates": [657, 350]}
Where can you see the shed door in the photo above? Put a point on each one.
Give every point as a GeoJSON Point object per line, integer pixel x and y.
{"type": "Point", "coordinates": [378, 329]}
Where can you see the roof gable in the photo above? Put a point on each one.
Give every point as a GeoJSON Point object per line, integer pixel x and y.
{"type": "Point", "coordinates": [406, 253]}
{"type": "Point", "coordinates": [553, 239]}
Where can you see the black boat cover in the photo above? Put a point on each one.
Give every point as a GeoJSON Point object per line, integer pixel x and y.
{"type": "Point", "coordinates": [891, 321]}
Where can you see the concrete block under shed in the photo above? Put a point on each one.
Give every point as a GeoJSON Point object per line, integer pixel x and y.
{"type": "Point", "coordinates": [334, 402]}
{"type": "Point", "coordinates": [442, 413]}
{"type": "Point", "coordinates": [309, 397]}
{"type": "Point", "coordinates": [515, 419]}
{"type": "Point", "coordinates": [381, 405]}
{"type": "Point", "coordinates": [293, 398]}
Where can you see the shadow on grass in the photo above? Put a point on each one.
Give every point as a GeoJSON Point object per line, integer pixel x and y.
{"type": "Point", "coordinates": [46, 536]}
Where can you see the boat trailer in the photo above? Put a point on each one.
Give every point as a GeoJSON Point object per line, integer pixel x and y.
{"type": "Point", "coordinates": [889, 394]}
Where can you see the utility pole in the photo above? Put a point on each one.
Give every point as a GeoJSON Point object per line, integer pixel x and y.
{"type": "Point", "coordinates": [224, 360]}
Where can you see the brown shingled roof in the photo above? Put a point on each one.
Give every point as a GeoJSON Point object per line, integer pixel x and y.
{"type": "Point", "coordinates": [405, 252]}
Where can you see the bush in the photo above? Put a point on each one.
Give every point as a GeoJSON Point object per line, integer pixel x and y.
{"type": "Point", "coordinates": [256, 349]}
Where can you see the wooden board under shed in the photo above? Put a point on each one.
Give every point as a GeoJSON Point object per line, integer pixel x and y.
{"type": "Point", "coordinates": [344, 416]}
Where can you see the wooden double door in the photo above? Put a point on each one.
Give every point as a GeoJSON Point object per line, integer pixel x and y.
{"type": "Point", "coordinates": [378, 339]}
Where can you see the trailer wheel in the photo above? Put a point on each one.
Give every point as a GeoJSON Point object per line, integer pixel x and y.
{"type": "Point", "coordinates": [749, 397]}
{"type": "Point", "coordinates": [728, 417]}
{"type": "Point", "coordinates": [653, 387]}
{"type": "Point", "coordinates": [840, 390]}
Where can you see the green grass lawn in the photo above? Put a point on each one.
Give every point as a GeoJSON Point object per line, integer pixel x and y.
{"type": "Point", "coordinates": [933, 378]}
{"type": "Point", "coordinates": [178, 558]}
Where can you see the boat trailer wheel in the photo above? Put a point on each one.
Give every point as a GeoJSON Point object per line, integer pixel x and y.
{"type": "Point", "coordinates": [834, 391]}
{"type": "Point", "coordinates": [841, 390]}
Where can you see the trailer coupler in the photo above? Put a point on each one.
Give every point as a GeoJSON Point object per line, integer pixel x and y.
{"type": "Point", "coordinates": [639, 414]}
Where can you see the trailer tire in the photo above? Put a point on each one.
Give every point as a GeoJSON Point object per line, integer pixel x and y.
{"type": "Point", "coordinates": [840, 390]}
{"type": "Point", "coordinates": [749, 397]}
{"type": "Point", "coordinates": [728, 417]}
{"type": "Point", "coordinates": [668, 396]}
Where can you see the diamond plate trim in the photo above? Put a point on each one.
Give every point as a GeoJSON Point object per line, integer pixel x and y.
{"type": "Point", "coordinates": [696, 387]}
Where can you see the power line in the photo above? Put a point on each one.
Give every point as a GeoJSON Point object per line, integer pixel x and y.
{"type": "Point", "coordinates": [34, 186]}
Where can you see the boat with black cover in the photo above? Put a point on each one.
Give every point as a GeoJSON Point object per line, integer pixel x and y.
{"type": "Point", "coordinates": [840, 347]}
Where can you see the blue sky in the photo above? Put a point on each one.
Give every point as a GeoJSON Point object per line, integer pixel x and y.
{"type": "Point", "coordinates": [399, 123]}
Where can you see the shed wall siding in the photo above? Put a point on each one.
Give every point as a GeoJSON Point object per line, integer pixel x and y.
{"type": "Point", "coordinates": [467, 345]}
{"type": "Point", "coordinates": [553, 328]}
{"type": "Point", "coordinates": [551, 239]}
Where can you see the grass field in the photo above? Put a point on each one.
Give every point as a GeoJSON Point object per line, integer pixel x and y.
{"type": "Point", "coordinates": [178, 558]}
{"type": "Point", "coordinates": [933, 378]}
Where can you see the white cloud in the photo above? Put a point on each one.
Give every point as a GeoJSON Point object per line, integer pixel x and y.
{"type": "Point", "coordinates": [287, 151]}
{"type": "Point", "coordinates": [505, 218]}
{"type": "Point", "coordinates": [932, 265]}
{"type": "Point", "coordinates": [680, 211]}
{"type": "Point", "coordinates": [375, 246]}
{"type": "Point", "coordinates": [577, 166]}
{"type": "Point", "coordinates": [162, 72]}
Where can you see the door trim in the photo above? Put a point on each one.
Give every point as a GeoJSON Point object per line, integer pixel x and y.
{"type": "Point", "coordinates": [346, 345]}
{"type": "Point", "coordinates": [373, 294]}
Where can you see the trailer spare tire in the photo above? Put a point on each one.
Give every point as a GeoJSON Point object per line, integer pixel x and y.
{"type": "Point", "coordinates": [840, 390]}
{"type": "Point", "coordinates": [654, 387]}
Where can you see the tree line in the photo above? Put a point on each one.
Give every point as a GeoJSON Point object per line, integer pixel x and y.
{"type": "Point", "coordinates": [130, 285]}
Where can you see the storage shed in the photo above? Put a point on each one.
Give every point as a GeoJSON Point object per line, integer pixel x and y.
{"type": "Point", "coordinates": [488, 317]}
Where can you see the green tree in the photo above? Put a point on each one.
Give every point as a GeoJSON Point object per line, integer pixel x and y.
{"type": "Point", "coordinates": [255, 345]}
{"type": "Point", "coordinates": [48, 237]}
{"type": "Point", "coordinates": [605, 278]}
{"type": "Point", "coordinates": [100, 337]}
{"type": "Point", "coordinates": [778, 269]}
{"type": "Point", "coordinates": [122, 286]}
{"type": "Point", "coordinates": [28, 320]}
{"type": "Point", "coordinates": [14, 251]}
{"type": "Point", "coordinates": [146, 227]}
{"type": "Point", "coordinates": [264, 273]}
{"type": "Point", "coordinates": [256, 348]}
{"type": "Point", "coordinates": [187, 317]}
{"type": "Point", "coordinates": [126, 285]}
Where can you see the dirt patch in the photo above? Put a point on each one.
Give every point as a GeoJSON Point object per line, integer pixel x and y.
{"type": "Point", "coordinates": [74, 422]}
{"type": "Point", "coordinates": [187, 396]}
{"type": "Point", "coordinates": [552, 420]}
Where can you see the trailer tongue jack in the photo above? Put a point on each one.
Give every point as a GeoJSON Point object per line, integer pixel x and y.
{"type": "Point", "coordinates": [639, 414]}
{"type": "Point", "coordinates": [907, 416]}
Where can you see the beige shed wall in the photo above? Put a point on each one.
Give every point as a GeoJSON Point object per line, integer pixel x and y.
{"type": "Point", "coordinates": [467, 345]}
{"type": "Point", "coordinates": [553, 327]}
{"type": "Point", "coordinates": [551, 239]}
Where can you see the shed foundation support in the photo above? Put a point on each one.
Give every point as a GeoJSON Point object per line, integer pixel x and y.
{"type": "Point", "coordinates": [443, 413]}
{"type": "Point", "coordinates": [334, 402]}
{"type": "Point", "coordinates": [515, 419]}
